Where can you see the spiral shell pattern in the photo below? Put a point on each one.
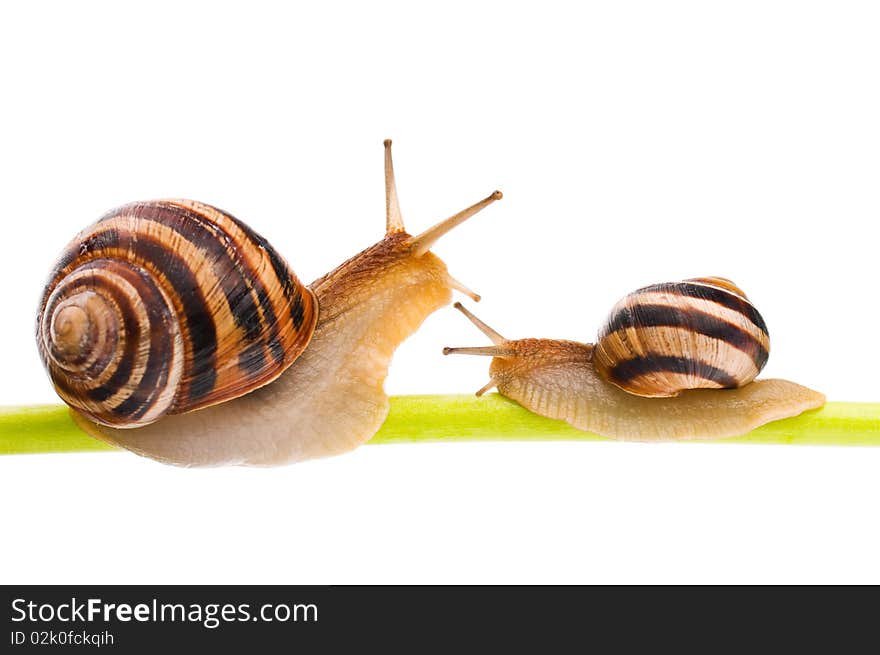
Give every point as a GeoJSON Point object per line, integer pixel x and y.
{"type": "Point", "coordinates": [698, 333]}
{"type": "Point", "coordinates": [165, 307]}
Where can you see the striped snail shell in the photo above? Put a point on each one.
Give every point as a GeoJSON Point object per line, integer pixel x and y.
{"type": "Point", "coordinates": [665, 338]}
{"type": "Point", "coordinates": [165, 307]}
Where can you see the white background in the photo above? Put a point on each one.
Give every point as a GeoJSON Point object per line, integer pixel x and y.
{"type": "Point", "coordinates": [634, 142]}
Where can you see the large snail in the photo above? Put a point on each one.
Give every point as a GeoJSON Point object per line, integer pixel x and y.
{"type": "Point", "coordinates": [673, 361]}
{"type": "Point", "coordinates": [174, 318]}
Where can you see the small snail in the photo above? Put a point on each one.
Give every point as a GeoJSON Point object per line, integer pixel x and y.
{"type": "Point", "coordinates": [167, 307]}
{"type": "Point", "coordinates": [673, 361]}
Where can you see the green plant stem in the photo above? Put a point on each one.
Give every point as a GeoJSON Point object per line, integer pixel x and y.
{"type": "Point", "coordinates": [414, 419]}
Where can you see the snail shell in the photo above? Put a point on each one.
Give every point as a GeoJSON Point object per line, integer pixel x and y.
{"type": "Point", "coordinates": [701, 333]}
{"type": "Point", "coordinates": [165, 307]}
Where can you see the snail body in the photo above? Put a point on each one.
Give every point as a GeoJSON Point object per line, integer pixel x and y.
{"type": "Point", "coordinates": [673, 361]}
{"type": "Point", "coordinates": [330, 398]}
